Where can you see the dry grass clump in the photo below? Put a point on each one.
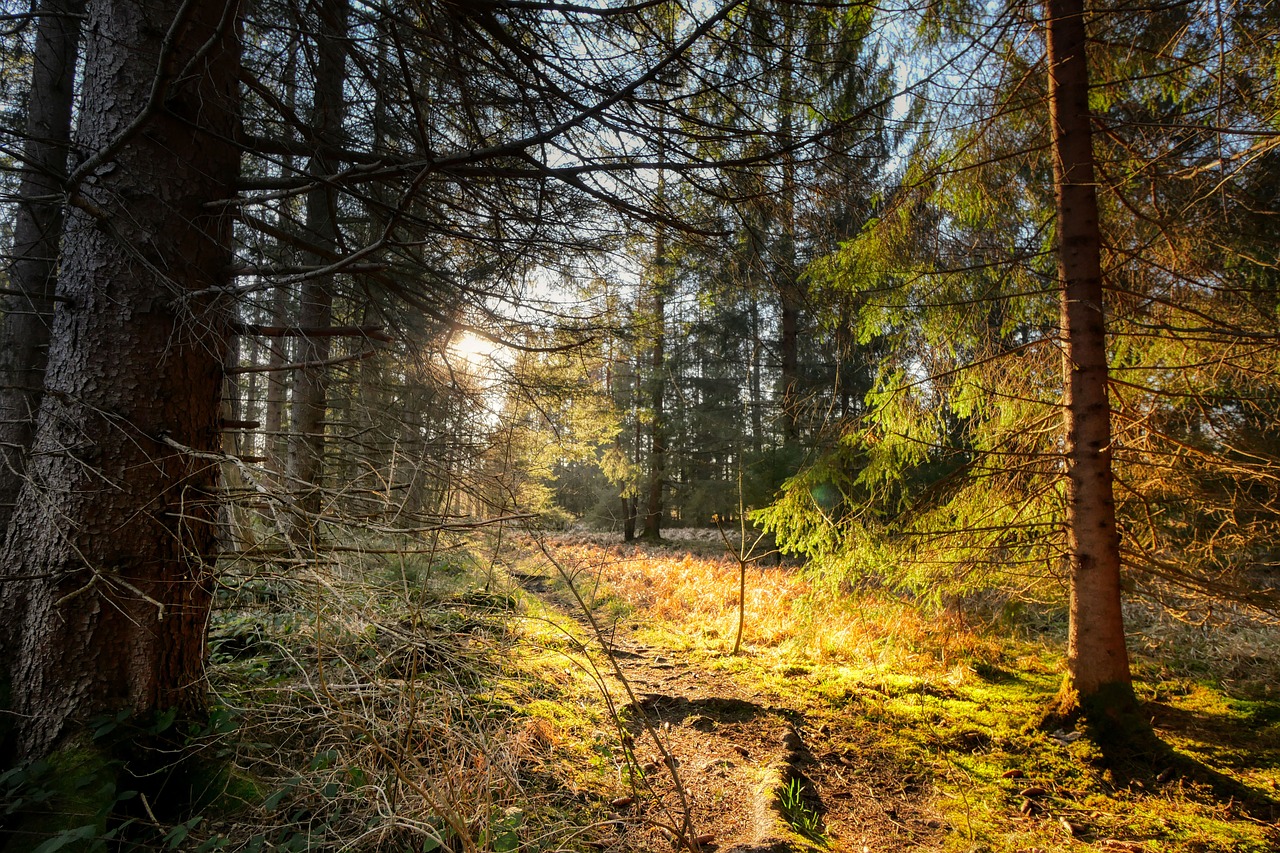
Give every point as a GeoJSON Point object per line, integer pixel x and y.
{"type": "Point", "coordinates": [1233, 644]}
{"type": "Point", "coordinates": [385, 713]}
{"type": "Point", "coordinates": [697, 594]}
{"type": "Point", "coordinates": [784, 611]}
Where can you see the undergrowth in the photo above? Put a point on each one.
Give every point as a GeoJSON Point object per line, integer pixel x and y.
{"type": "Point", "coordinates": [957, 692]}
{"type": "Point", "coordinates": [410, 701]}
{"type": "Point", "coordinates": [419, 700]}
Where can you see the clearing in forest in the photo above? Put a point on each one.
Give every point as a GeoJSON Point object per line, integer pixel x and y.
{"type": "Point", "coordinates": [856, 721]}
{"type": "Point", "coordinates": [531, 694]}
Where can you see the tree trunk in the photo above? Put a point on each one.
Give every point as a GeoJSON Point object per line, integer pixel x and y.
{"type": "Point", "coordinates": [273, 422]}
{"type": "Point", "coordinates": [757, 394]}
{"type": "Point", "coordinates": [24, 339]}
{"type": "Point", "coordinates": [1097, 661]}
{"type": "Point", "coordinates": [107, 568]}
{"type": "Point", "coordinates": [307, 444]}
{"type": "Point", "coordinates": [790, 291]}
{"type": "Point", "coordinates": [631, 500]}
{"type": "Point", "coordinates": [628, 519]}
{"type": "Point", "coordinates": [233, 533]}
{"type": "Point", "coordinates": [789, 352]}
{"type": "Point", "coordinates": [657, 393]}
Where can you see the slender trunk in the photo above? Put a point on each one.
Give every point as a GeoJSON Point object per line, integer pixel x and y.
{"type": "Point", "coordinates": [844, 362]}
{"type": "Point", "coordinates": [628, 519]}
{"type": "Point", "coordinates": [273, 422]}
{"type": "Point", "coordinates": [24, 338]}
{"type": "Point", "coordinates": [742, 602]}
{"type": "Point", "coordinates": [757, 395]}
{"type": "Point", "coordinates": [1097, 661]}
{"type": "Point", "coordinates": [789, 352]}
{"type": "Point", "coordinates": [232, 399]}
{"type": "Point", "coordinates": [233, 530]}
{"type": "Point", "coordinates": [614, 381]}
{"type": "Point", "coordinates": [370, 405]}
{"type": "Point", "coordinates": [315, 311]}
{"type": "Point", "coordinates": [108, 564]}
{"type": "Point", "coordinates": [637, 447]}
{"type": "Point", "coordinates": [275, 444]}
{"type": "Point", "coordinates": [410, 475]}
{"type": "Point", "coordinates": [251, 398]}
{"type": "Point", "coordinates": [790, 292]}
{"type": "Point", "coordinates": [657, 393]}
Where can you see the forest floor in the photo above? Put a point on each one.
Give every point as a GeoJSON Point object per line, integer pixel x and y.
{"type": "Point", "coordinates": [511, 693]}
{"type": "Point", "coordinates": [861, 723]}
{"type": "Point", "coordinates": [739, 766]}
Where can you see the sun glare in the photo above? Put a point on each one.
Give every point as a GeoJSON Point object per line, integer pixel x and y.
{"type": "Point", "coordinates": [473, 348]}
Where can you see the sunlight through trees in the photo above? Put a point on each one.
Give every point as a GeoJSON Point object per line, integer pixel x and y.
{"type": "Point", "coordinates": [966, 302]}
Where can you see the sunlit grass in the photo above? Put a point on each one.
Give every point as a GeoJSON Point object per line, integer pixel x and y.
{"type": "Point", "coordinates": [448, 709]}
{"type": "Point", "coordinates": [960, 697]}
{"type": "Point", "coordinates": [787, 618]}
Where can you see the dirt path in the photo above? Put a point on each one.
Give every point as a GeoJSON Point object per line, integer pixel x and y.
{"type": "Point", "coordinates": [751, 774]}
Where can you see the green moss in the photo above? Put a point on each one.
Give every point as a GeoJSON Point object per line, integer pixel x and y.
{"type": "Point", "coordinates": [964, 730]}
{"type": "Point", "coordinates": [70, 795]}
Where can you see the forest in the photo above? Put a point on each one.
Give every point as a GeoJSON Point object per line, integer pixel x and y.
{"type": "Point", "coordinates": [637, 425]}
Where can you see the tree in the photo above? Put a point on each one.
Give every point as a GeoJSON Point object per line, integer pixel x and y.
{"type": "Point", "coordinates": [456, 158]}
{"type": "Point", "coordinates": [965, 464]}
{"type": "Point", "coordinates": [1097, 660]}
{"type": "Point", "coordinates": [28, 309]}
{"type": "Point", "coordinates": [307, 421]}
{"type": "Point", "coordinates": [655, 335]}
{"type": "Point", "coordinates": [957, 451]}
{"type": "Point", "coordinates": [107, 562]}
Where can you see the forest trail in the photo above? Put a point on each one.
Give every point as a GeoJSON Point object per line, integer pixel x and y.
{"type": "Point", "coordinates": [753, 770]}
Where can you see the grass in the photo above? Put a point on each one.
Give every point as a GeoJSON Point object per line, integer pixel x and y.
{"type": "Point", "coordinates": [407, 703]}
{"type": "Point", "coordinates": [420, 702]}
{"type": "Point", "coordinates": [692, 600]}
{"type": "Point", "coordinates": [959, 698]}
{"type": "Point", "coordinates": [799, 814]}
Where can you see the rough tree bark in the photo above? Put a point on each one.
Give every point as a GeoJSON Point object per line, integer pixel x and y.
{"type": "Point", "coordinates": [106, 594]}
{"type": "Point", "coordinates": [1098, 675]}
{"type": "Point", "coordinates": [28, 311]}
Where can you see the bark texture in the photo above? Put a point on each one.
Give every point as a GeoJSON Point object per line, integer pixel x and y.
{"type": "Point", "coordinates": [28, 313]}
{"type": "Point", "coordinates": [1097, 660]}
{"type": "Point", "coordinates": [106, 595]}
